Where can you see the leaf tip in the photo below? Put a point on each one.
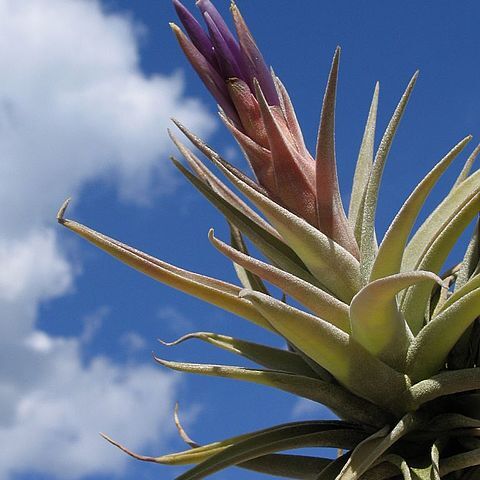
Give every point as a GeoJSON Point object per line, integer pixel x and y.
{"type": "Point", "coordinates": [62, 210]}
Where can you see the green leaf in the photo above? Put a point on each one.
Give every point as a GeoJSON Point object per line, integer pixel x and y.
{"type": "Point", "coordinates": [331, 214]}
{"type": "Point", "coordinates": [459, 462]}
{"type": "Point", "coordinates": [219, 293]}
{"type": "Point", "coordinates": [290, 466]}
{"type": "Point", "coordinates": [247, 279]}
{"type": "Point", "coordinates": [363, 167]}
{"type": "Point", "coordinates": [202, 453]}
{"type": "Point", "coordinates": [368, 243]}
{"type": "Point", "coordinates": [330, 263]}
{"type": "Point", "coordinates": [219, 187]}
{"type": "Point", "coordinates": [319, 302]}
{"type": "Point", "coordinates": [432, 260]}
{"type": "Point", "coordinates": [290, 437]}
{"type": "Point", "coordinates": [376, 322]}
{"type": "Point", "coordinates": [279, 253]}
{"type": "Point", "coordinates": [390, 253]}
{"type": "Point", "coordinates": [334, 350]}
{"type": "Point", "coordinates": [371, 449]}
{"type": "Point", "coordinates": [438, 220]}
{"type": "Point", "coordinates": [333, 396]}
{"type": "Point", "coordinates": [467, 167]}
{"type": "Point", "coordinates": [269, 357]}
{"type": "Point", "coordinates": [445, 383]}
{"type": "Point", "coordinates": [428, 351]}
{"type": "Point", "coordinates": [471, 260]}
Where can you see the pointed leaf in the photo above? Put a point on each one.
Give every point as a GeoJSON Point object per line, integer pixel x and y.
{"type": "Point", "coordinates": [318, 301]}
{"type": "Point", "coordinates": [390, 253]}
{"type": "Point", "coordinates": [368, 244]}
{"type": "Point", "coordinates": [269, 357]}
{"type": "Point", "coordinates": [471, 260]}
{"type": "Point", "coordinates": [219, 187]}
{"type": "Point", "coordinates": [288, 438]}
{"type": "Point", "coordinates": [376, 322]}
{"type": "Point", "coordinates": [459, 462]}
{"type": "Point", "coordinates": [364, 165]}
{"type": "Point", "coordinates": [438, 219]}
{"type": "Point", "coordinates": [247, 279]}
{"type": "Point", "coordinates": [219, 293]}
{"type": "Point", "coordinates": [338, 399]}
{"type": "Point", "coordinates": [432, 260]}
{"type": "Point", "coordinates": [467, 167]}
{"type": "Point", "coordinates": [331, 214]}
{"type": "Point", "coordinates": [331, 264]}
{"type": "Point", "coordinates": [428, 351]}
{"type": "Point", "coordinates": [272, 247]}
{"type": "Point", "coordinates": [201, 453]}
{"type": "Point", "coordinates": [367, 452]}
{"type": "Point", "coordinates": [332, 348]}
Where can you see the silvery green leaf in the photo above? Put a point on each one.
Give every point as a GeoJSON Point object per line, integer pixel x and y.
{"type": "Point", "coordinates": [390, 253]}
{"type": "Point", "coordinates": [368, 244]}
{"type": "Point", "coordinates": [428, 351]}
{"type": "Point", "coordinates": [371, 449]}
{"type": "Point", "coordinates": [208, 289]}
{"type": "Point", "coordinates": [363, 167]}
{"type": "Point", "coordinates": [318, 301]}
{"type": "Point", "coordinates": [334, 350]}
{"type": "Point", "coordinates": [286, 438]}
{"type": "Point", "coordinates": [268, 357]}
{"type": "Point", "coordinates": [279, 253]}
{"type": "Point", "coordinates": [432, 259]}
{"type": "Point", "coordinates": [376, 321]}
{"type": "Point", "coordinates": [330, 263]}
{"type": "Point", "coordinates": [340, 400]}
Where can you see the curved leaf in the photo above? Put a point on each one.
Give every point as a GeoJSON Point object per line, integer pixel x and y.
{"type": "Point", "coordinates": [274, 249]}
{"type": "Point", "coordinates": [438, 219]}
{"type": "Point", "coordinates": [445, 383]}
{"type": "Point", "coordinates": [428, 351]}
{"type": "Point", "coordinates": [390, 253]}
{"type": "Point", "coordinates": [247, 279]}
{"type": "Point", "coordinates": [371, 449]}
{"type": "Point", "coordinates": [281, 439]}
{"type": "Point", "coordinates": [331, 214]}
{"type": "Point", "coordinates": [459, 462]}
{"type": "Point", "coordinates": [467, 167]}
{"type": "Point", "coordinates": [376, 322]}
{"type": "Point", "coordinates": [433, 258]}
{"type": "Point", "coordinates": [319, 302]}
{"type": "Point", "coordinates": [363, 166]}
{"type": "Point", "coordinates": [336, 398]}
{"type": "Point", "coordinates": [368, 243]}
{"type": "Point", "coordinates": [330, 263]}
{"type": "Point", "coordinates": [269, 357]}
{"type": "Point", "coordinates": [332, 348]}
{"type": "Point", "coordinates": [219, 187]}
{"type": "Point", "coordinates": [202, 453]}
{"type": "Point", "coordinates": [219, 293]}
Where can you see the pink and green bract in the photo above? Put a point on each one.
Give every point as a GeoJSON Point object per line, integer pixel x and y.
{"type": "Point", "coordinates": [376, 330]}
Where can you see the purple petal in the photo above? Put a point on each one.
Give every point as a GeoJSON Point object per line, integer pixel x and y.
{"type": "Point", "coordinates": [210, 77]}
{"type": "Point", "coordinates": [253, 59]}
{"type": "Point", "coordinates": [225, 57]}
{"type": "Point", "coordinates": [206, 6]}
{"type": "Point", "coordinates": [195, 31]}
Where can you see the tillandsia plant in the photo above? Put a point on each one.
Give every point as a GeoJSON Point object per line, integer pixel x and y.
{"type": "Point", "coordinates": [377, 334]}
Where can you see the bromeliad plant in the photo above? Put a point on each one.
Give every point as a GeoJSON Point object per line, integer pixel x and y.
{"type": "Point", "coordinates": [384, 339]}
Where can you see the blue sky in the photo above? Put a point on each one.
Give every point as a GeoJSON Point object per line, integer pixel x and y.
{"type": "Point", "coordinates": [86, 93]}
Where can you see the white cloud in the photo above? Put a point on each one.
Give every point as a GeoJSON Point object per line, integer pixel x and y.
{"type": "Point", "coordinates": [74, 107]}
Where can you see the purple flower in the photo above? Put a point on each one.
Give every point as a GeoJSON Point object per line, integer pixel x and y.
{"type": "Point", "coordinates": [257, 110]}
